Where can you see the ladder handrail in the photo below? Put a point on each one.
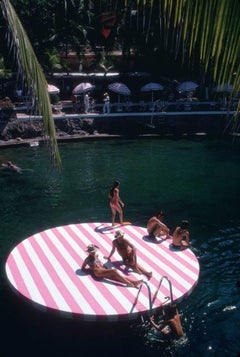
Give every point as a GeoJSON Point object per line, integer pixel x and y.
{"type": "Point", "coordinates": [159, 285]}
{"type": "Point", "coordinates": [149, 297]}
{"type": "Point", "coordinates": [151, 301]}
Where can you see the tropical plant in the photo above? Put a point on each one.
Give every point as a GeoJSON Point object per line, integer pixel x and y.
{"type": "Point", "coordinates": [201, 32]}
{"type": "Point", "coordinates": [32, 73]}
{"type": "Point", "coordinates": [4, 72]}
{"type": "Point", "coordinates": [210, 31]}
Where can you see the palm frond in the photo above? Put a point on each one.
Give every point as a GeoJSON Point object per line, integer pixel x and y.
{"type": "Point", "coordinates": [212, 28]}
{"type": "Point", "coordinates": [33, 74]}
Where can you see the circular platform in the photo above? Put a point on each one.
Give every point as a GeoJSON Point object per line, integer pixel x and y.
{"type": "Point", "coordinates": [46, 268]}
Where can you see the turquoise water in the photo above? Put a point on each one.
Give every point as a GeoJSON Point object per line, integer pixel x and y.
{"type": "Point", "coordinates": [195, 180]}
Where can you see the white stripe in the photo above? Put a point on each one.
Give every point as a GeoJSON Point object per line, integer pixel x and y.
{"type": "Point", "coordinates": [72, 288]}
{"type": "Point", "coordinates": [60, 272]}
{"type": "Point", "coordinates": [168, 257]}
{"type": "Point", "coordinates": [49, 283]}
{"type": "Point", "coordinates": [126, 304]}
{"type": "Point", "coordinates": [10, 276]}
{"type": "Point", "coordinates": [32, 288]}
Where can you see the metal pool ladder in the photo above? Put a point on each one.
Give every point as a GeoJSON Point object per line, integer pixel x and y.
{"type": "Point", "coordinates": [151, 300]}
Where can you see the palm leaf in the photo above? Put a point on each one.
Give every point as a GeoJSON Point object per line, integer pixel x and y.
{"type": "Point", "coordinates": [33, 74]}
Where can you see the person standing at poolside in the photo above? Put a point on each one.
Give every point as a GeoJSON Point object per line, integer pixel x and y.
{"type": "Point", "coordinates": [100, 271]}
{"type": "Point", "coordinates": [181, 236]}
{"type": "Point", "coordinates": [115, 202]}
{"type": "Point", "coordinates": [106, 105]}
{"type": "Point", "coordinates": [156, 227]}
{"type": "Point", "coordinates": [128, 253]}
{"type": "Point", "coordinates": [86, 103]}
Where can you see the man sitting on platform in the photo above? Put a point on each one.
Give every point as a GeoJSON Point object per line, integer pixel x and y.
{"type": "Point", "coordinates": [128, 253]}
{"type": "Point", "coordinates": [156, 227]}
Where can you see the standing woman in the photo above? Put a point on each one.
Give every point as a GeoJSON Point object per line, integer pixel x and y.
{"type": "Point", "coordinates": [115, 202]}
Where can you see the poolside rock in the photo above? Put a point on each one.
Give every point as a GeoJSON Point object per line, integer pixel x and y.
{"type": "Point", "coordinates": [14, 128]}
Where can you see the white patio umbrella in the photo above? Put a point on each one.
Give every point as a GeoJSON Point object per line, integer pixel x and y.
{"type": "Point", "coordinates": [53, 89]}
{"type": "Point", "coordinates": [152, 87]}
{"type": "Point", "coordinates": [187, 86]}
{"type": "Point", "coordinates": [83, 88]}
{"type": "Point", "coordinates": [119, 88]}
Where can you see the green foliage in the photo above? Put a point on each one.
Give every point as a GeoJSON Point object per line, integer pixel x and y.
{"type": "Point", "coordinates": [33, 73]}
{"type": "Point", "coordinates": [4, 73]}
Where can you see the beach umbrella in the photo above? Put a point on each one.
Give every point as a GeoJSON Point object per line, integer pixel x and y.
{"type": "Point", "coordinates": [152, 87]}
{"type": "Point", "coordinates": [187, 86]}
{"type": "Point", "coordinates": [83, 87]}
{"type": "Point", "coordinates": [53, 89]}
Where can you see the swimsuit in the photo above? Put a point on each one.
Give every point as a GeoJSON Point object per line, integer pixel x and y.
{"type": "Point", "coordinates": [175, 247]}
{"type": "Point", "coordinates": [94, 262]}
{"type": "Point", "coordinates": [114, 204]}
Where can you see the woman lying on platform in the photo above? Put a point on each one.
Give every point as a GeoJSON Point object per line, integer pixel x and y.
{"type": "Point", "coordinates": [100, 271]}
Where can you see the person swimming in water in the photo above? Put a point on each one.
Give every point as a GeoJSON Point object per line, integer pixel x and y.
{"type": "Point", "coordinates": [171, 325]}
{"type": "Point", "coordinates": [115, 202]}
{"type": "Point", "coordinates": [100, 271]}
{"type": "Point", "coordinates": [10, 166]}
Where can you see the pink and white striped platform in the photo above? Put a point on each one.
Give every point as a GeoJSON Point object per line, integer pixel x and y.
{"type": "Point", "coordinates": [46, 269]}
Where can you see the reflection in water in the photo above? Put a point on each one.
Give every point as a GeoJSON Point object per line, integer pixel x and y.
{"type": "Point", "coordinates": [198, 181]}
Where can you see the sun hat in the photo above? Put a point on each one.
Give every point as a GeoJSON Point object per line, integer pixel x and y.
{"type": "Point", "coordinates": [91, 248]}
{"type": "Point", "coordinates": [119, 234]}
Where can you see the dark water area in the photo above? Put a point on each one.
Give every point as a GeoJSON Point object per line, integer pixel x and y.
{"type": "Point", "coordinates": [198, 180]}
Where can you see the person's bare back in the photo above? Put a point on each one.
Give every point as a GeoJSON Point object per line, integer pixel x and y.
{"type": "Point", "coordinates": [181, 235]}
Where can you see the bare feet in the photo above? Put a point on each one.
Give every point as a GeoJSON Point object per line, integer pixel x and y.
{"type": "Point", "coordinates": [149, 275]}
{"type": "Point", "coordinates": [138, 271]}
{"type": "Point", "coordinates": [131, 285]}
{"type": "Point", "coordinates": [137, 282]}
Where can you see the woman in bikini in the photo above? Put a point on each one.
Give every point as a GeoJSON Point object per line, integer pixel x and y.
{"type": "Point", "coordinates": [115, 202]}
{"type": "Point", "coordinates": [100, 271]}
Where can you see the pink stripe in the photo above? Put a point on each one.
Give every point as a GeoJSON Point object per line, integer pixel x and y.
{"type": "Point", "coordinates": [164, 290]}
{"type": "Point", "coordinates": [164, 244]}
{"type": "Point", "coordinates": [132, 237]}
{"type": "Point", "coordinates": [79, 284]}
{"type": "Point", "coordinates": [37, 278]}
{"type": "Point", "coordinates": [144, 290]}
{"type": "Point", "coordinates": [17, 276]}
{"type": "Point", "coordinates": [85, 234]}
{"type": "Point", "coordinates": [173, 255]}
{"type": "Point", "coordinates": [166, 252]}
{"type": "Point", "coordinates": [59, 283]}
{"type": "Point", "coordinates": [107, 294]}
{"type": "Point", "coordinates": [163, 259]}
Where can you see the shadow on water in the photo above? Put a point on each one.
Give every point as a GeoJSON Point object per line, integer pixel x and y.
{"type": "Point", "coordinates": [198, 181]}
